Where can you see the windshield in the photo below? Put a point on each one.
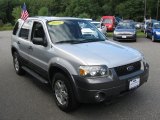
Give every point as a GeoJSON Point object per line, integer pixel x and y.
{"type": "Point", "coordinates": [65, 31]}
{"type": "Point", "coordinates": [125, 25]}
{"type": "Point", "coordinates": [156, 25]}
{"type": "Point", "coordinates": [107, 21]}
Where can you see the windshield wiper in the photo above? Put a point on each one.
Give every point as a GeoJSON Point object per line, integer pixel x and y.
{"type": "Point", "coordinates": [93, 40]}
{"type": "Point", "coordinates": [70, 41]}
{"type": "Point", "coordinates": [80, 41]}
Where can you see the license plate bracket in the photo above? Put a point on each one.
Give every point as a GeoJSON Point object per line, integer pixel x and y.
{"type": "Point", "coordinates": [133, 83]}
{"type": "Point", "coordinates": [123, 36]}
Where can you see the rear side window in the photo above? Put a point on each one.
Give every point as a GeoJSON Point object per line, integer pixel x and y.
{"type": "Point", "coordinates": [15, 28]}
{"type": "Point", "coordinates": [26, 27]}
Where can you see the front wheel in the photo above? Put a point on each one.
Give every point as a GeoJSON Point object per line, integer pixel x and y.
{"type": "Point", "coordinates": [17, 64]}
{"type": "Point", "coordinates": [63, 93]}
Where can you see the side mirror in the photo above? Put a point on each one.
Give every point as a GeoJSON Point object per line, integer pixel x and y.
{"type": "Point", "coordinates": [39, 41]}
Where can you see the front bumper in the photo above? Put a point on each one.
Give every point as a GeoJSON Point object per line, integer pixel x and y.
{"type": "Point", "coordinates": [124, 37]}
{"type": "Point", "coordinates": [92, 90]}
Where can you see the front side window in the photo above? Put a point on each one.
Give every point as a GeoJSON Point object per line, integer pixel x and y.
{"type": "Point", "coordinates": [73, 30]}
{"type": "Point", "coordinates": [26, 27]}
{"type": "Point", "coordinates": [38, 31]}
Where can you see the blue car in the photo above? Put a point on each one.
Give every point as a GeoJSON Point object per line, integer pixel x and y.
{"type": "Point", "coordinates": [153, 31]}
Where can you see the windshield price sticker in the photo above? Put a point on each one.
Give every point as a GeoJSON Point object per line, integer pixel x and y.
{"type": "Point", "coordinates": [56, 23]}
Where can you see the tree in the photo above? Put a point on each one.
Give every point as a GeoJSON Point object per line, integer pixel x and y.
{"type": "Point", "coordinates": [43, 11]}
{"type": "Point", "coordinates": [16, 13]}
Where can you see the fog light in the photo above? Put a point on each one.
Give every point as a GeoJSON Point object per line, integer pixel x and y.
{"type": "Point", "coordinates": [100, 96]}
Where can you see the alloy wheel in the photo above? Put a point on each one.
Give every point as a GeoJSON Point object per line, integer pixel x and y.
{"type": "Point", "coordinates": [61, 92]}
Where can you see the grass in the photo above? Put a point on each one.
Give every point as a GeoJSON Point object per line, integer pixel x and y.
{"type": "Point", "coordinates": [139, 34]}
{"type": "Point", "coordinates": [3, 28]}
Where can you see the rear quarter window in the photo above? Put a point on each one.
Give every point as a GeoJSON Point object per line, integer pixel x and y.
{"type": "Point", "coordinates": [16, 27]}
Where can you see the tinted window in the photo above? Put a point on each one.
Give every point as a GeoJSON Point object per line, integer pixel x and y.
{"type": "Point", "coordinates": [26, 27]}
{"type": "Point", "coordinates": [38, 31]}
{"type": "Point", "coordinates": [15, 28]}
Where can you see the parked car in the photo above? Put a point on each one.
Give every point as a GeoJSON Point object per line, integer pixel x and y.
{"type": "Point", "coordinates": [125, 31]}
{"type": "Point", "coordinates": [80, 68]}
{"type": "Point", "coordinates": [118, 19]}
{"type": "Point", "coordinates": [138, 25]}
{"type": "Point", "coordinates": [103, 29]}
{"type": "Point", "coordinates": [153, 31]}
{"type": "Point", "coordinates": [86, 30]}
{"type": "Point", "coordinates": [146, 22]}
{"type": "Point", "coordinates": [109, 22]}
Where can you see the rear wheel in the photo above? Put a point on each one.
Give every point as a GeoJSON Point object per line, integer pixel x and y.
{"type": "Point", "coordinates": [63, 93]}
{"type": "Point", "coordinates": [153, 39]}
{"type": "Point", "coordinates": [146, 35]}
{"type": "Point", "coordinates": [17, 64]}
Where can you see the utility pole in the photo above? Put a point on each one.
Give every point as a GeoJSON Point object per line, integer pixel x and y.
{"type": "Point", "coordinates": [144, 10]}
{"type": "Point", "coordinates": [157, 9]}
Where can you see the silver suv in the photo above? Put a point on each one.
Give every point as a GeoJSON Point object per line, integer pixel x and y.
{"type": "Point", "coordinates": [81, 67]}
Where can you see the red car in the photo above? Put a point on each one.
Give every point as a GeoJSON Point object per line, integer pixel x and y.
{"type": "Point", "coordinates": [109, 22]}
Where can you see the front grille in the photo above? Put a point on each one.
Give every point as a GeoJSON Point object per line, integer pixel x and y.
{"type": "Point", "coordinates": [127, 69]}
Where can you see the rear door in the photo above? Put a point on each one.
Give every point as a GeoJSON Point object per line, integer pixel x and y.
{"type": "Point", "coordinates": [23, 39]}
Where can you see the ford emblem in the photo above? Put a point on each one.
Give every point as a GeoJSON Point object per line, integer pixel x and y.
{"type": "Point", "coordinates": [130, 68]}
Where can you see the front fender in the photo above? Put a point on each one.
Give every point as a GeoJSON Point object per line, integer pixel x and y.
{"type": "Point", "coordinates": [65, 64]}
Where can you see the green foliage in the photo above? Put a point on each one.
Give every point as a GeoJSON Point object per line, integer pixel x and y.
{"type": "Point", "coordinates": [43, 11]}
{"type": "Point", "coordinates": [16, 13]}
{"type": "Point", "coordinates": [7, 26]}
{"type": "Point", "coordinates": [84, 15]}
{"type": "Point", "coordinates": [129, 9]}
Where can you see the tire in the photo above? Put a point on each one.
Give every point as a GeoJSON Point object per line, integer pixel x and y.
{"type": "Point", "coordinates": [134, 40]}
{"type": "Point", "coordinates": [153, 39]}
{"type": "Point", "coordinates": [17, 64]}
{"type": "Point", "coordinates": [146, 35]}
{"type": "Point", "coordinates": [63, 93]}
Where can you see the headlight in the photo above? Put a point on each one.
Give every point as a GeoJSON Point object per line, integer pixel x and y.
{"type": "Point", "coordinates": [134, 32]}
{"type": "Point", "coordinates": [115, 33]}
{"type": "Point", "coordinates": [93, 71]}
{"type": "Point", "coordinates": [158, 33]}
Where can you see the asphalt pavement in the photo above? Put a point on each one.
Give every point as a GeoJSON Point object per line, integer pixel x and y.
{"type": "Point", "coordinates": [24, 98]}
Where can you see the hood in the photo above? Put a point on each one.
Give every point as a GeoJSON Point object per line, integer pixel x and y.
{"type": "Point", "coordinates": [100, 53]}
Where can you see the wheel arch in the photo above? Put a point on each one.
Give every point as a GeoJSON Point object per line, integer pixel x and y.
{"type": "Point", "coordinates": [13, 49]}
{"type": "Point", "coordinates": [55, 68]}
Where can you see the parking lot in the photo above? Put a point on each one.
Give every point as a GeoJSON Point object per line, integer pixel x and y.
{"type": "Point", "coordinates": [24, 98]}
